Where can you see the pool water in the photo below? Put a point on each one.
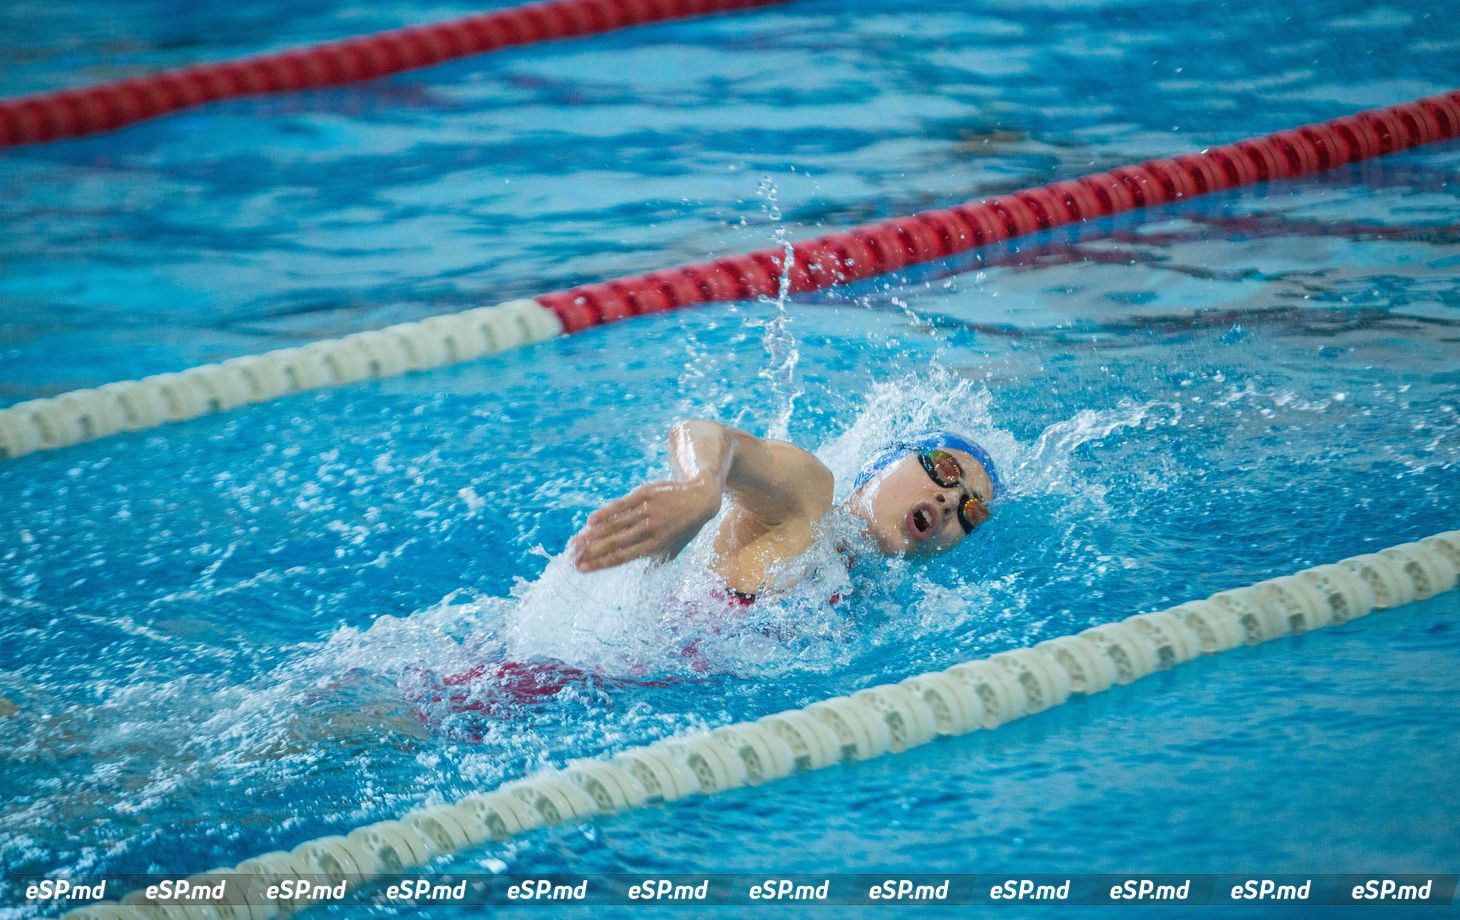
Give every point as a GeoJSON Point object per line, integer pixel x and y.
{"type": "Point", "coordinates": [216, 635]}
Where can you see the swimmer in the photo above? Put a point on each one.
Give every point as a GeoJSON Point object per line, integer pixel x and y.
{"type": "Point", "coordinates": [919, 497]}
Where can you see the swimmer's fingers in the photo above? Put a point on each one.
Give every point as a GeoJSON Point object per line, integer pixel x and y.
{"type": "Point", "coordinates": [607, 540]}
{"type": "Point", "coordinates": [633, 505]}
{"type": "Point", "coordinates": [606, 523]}
{"type": "Point", "coordinates": [594, 537]}
{"type": "Point", "coordinates": [614, 554]}
{"type": "Point", "coordinates": [616, 517]}
{"type": "Point", "coordinates": [625, 511]}
{"type": "Point", "coordinates": [658, 519]}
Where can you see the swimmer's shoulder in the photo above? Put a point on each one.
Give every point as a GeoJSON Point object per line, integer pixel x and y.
{"type": "Point", "coordinates": [812, 480]}
{"type": "Point", "coordinates": [781, 484]}
{"type": "Point", "coordinates": [776, 512]}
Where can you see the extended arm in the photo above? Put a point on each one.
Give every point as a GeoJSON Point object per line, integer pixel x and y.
{"type": "Point", "coordinates": [771, 481]}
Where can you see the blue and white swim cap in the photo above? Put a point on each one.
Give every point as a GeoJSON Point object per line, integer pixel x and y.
{"type": "Point", "coordinates": [928, 439]}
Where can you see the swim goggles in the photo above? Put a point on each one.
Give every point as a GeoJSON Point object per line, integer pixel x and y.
{"type": "Point", "coordinates": [928, 439]}
{"type": "Point", "coordinates": [945, 470]}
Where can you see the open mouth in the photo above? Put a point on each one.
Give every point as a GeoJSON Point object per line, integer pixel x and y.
{"type": "Point", "coordinates": [922, 521]}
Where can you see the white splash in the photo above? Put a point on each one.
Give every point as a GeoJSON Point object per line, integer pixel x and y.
{"type": "Point", "coordinates": [782, 352]}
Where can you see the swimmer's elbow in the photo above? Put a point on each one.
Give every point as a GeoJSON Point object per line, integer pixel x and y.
{"type": "Point", "coordinates": [688, 427]}
{"type": "Point", "coordinates": [700, 448]}
{"type": "Point", "coordinates": [700, 436]}
{"type": "Point", "coordinates": [823, 485]}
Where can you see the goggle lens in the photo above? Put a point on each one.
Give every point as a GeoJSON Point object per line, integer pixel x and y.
{"type": "Point", "coordinates": [943, 468]}
{"type": "Point", "coordinates": [971, 513]}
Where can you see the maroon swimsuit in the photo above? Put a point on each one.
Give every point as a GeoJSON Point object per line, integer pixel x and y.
{"type": "Point", "coordinates": [501, 689]}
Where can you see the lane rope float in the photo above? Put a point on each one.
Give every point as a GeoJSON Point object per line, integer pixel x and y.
{"type": "Point", "coordinates": [816, 264]}
{"type": "Point", "coordinates": [880, 248]}
{"type": "Point", "coordinates": [890, 718]}
{"type": "Point", "coordinates": [73, 113]}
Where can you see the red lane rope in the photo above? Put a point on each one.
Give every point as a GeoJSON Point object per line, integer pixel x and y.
{"type": "Point", "coordinates": [876, 249]}
{"type": "Point", "coordinates": [45, 117]}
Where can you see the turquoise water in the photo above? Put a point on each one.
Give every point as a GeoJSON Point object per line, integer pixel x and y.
{"type": "Point", "coordinates": [212, 632]}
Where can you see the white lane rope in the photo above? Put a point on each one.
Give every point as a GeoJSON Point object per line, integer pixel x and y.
{"type": "Point", "coordinates": [890, 718]}
{"type": "Point", "coordinates": [136, 405]}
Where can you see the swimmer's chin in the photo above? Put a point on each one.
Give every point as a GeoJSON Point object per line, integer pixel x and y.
{"type": "Point", "coordinates": [905, 547]}
{"type": "Point", "coordinates": [896, 543]}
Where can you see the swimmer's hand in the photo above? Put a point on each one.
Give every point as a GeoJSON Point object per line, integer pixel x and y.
{"type": "Point", "coordinates": [657, 520]}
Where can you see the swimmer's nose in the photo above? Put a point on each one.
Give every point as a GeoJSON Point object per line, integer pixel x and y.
{"type": "Point", "coordinates": [947, 500]}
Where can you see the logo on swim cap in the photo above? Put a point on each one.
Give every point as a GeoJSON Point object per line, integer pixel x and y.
{"type": "Point", "coordinates": [929, 439]}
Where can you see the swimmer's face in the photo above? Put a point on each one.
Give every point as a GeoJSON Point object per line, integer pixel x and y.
{"type": "Point", "coordinates": [907, 513]}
